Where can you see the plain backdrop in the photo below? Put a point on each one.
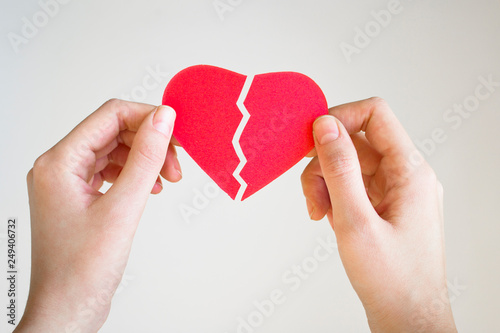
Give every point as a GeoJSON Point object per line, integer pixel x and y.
{"type": "Point", "coordinates": [205, 273]}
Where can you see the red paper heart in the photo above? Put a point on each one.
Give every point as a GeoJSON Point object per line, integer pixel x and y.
{"type": "Point", "coordinates": [278, 133]}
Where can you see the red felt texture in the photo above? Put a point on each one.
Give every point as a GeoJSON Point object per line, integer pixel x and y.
{"type": "Point", "coordinates": [204, 98]}
{"type": "Point", "coordinates": [278, 134]}
{"type": "Point", "coordinates": [282, 107]}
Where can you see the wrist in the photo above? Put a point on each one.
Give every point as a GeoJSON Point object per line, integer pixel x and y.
{"type": "Point", "coordinates": [433, 316]}
{"type": "Point", "coordinates": [50, 313]}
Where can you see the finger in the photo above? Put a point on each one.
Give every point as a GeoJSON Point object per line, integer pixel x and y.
{"type": "Point", "coordinates": [315, 190]}
{"type": "Point", "coordinates": [355, 140]}
{"type": "Point", "coordinates": [337, 156]}
{"type": "Point", "coordinates": [119, 155]}
{"type": "Point", "coordinates": [366, 181]}
{"type": "Point", "coordinates": [144, 162]}
{"type": "Point", "coordinates": [102, 127]}
{"type": "Point", "coordinates": [97, 181]}
{"type": "Point", "coordinates": [175, 142]}
{"type": "Point", "coordinates": [171, 169]}
{"type": "Point", "coordinates": [127, 137]}
{"type": "Point", "coordinates": [314, 186]}
{"type": "Point", "coordinates": [369, 158]}
{"type": "Point", "coordinates": [374, 116]}
{"type": "Point", "coordinates": [157, 187]}
{"type": "Point", "coordinates": [97, 132]}
{"type": "Point", "coordinates": [312, 153]}
{"type": "Point", "coordinates": [101, 164]}
{"type": "Point", "coordinates": [107, 149]}
{"type": "Point", "coordinates": [375, 194]}
{"type": "Point", "coordinates": [112, 172]}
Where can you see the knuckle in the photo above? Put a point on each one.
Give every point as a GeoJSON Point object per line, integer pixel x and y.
{"type": "Point", "coordinates": [150, 156]}
{"type": "Point", "coordinates": [357, 227]}
{"type": "Point", "coordinates": [339, 166]}
{"type": "Point", "coordinates": [41, 171]}
{"type": "Point", "coordinates": [425, 180]}
{"type": "Point", "coordinates": [113, 102]}
{"type": "Point", "coordinates": [308, 183]}
{"type": "Point", "coordinates": [440, 189]}
{"type": "Point", "coordinates": [309, 171]}
{"type": "Point", "coordinates": [40, 163]}
{"type": "Point", "coordinates": [429, 176]}
{"type": "Point", "coordinates": [379, 102]}
{"type": "Point", "coordinates": [304, 176]}
{"type": "Point", "coordinates": [29, 176]}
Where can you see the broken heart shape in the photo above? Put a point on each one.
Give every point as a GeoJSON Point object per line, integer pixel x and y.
{"type": "Point", "coordinates": [244, 131]}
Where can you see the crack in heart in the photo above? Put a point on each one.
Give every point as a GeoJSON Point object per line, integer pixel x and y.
{"type": "Point", "coordinates": [244, 131]}
{"type": "Point", "coordinates": [236, 139]}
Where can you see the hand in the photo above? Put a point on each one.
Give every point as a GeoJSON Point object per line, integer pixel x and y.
{"type": "Point", "coordinates": [385, 206]}
{"type": "Point", "coordinates": [81, 238]}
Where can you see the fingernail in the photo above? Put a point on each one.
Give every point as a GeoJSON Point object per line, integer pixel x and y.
{"type": "Point", "coordinates": [310, 208]}
{"type": "Point", "coordinates": [326, 129]}
{"type": "Point", "coordinates": [158, 187]}
{"type": "Point", "coordinates": [177, 166]}
{"type": "Point", "coordinates": [163, 120]}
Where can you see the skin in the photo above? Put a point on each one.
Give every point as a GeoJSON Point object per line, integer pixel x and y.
{"type": "Point", "coordinates": [385, 209]}
{"type": "Point", "coordinates": [81, 238]}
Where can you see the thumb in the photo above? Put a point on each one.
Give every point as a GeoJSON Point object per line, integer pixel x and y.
{"type": "Point", "coordinates": [145, 160]}
{"type": "Point", "coordinates": [342, 173]}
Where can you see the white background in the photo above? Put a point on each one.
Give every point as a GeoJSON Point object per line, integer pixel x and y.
{"type": "Point", "coordinates": [201, 276]}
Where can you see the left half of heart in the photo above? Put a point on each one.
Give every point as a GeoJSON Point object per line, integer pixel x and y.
{"type": "Point", "coordinates": [244, 131]}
